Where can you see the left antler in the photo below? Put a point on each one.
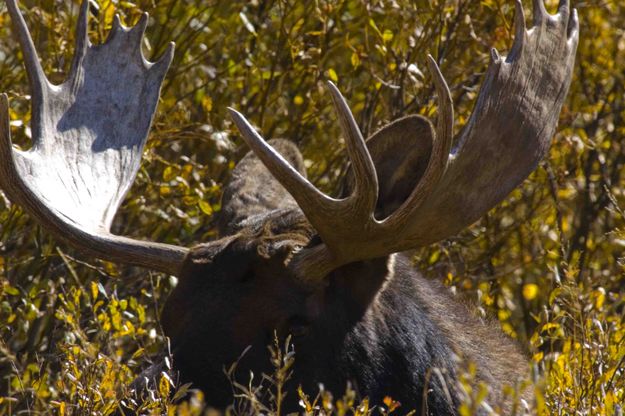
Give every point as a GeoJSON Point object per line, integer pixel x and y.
{"type": "Point", "coordinates": [88, 137]}
{"type": "Point", "coordinates": [509, 131]}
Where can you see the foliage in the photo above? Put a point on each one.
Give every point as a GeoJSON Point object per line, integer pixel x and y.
{"type": "Point", "coordinates": [548, 262]}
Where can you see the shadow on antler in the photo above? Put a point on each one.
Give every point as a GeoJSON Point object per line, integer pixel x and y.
{"type": "Point", "coordinates": [88, 138]}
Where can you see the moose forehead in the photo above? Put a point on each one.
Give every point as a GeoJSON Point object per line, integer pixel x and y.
{"type": "Point", "coordinates": [270, 239]}
{"type": "Point", "coordinates": [254, 260]}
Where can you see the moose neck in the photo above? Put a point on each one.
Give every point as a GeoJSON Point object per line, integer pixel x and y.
{"type": "Point", "coordinates": [355, 286]}
{"type": "Point", "coordinates": [376, 331]}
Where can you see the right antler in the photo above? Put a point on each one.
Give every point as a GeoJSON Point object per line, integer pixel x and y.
{"type": "Point", "coordinates": [88, 137]}
{"type": "Point", "coordinates": [509, 131]}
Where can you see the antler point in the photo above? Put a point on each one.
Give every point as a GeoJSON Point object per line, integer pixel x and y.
{"type": "Point", "coordinates": [337, 97]}
{"type": "Point", "coordinates": [519, 15]}
{"type": "Point", "coordinates": [494, 55]}
{"type": "Point", "coordinates": [245, 128]}
{"type": "Point", "coordinates": [139, 28]}
{"type": "Point", "coordinates": [573, 29]}
{"type": "Point", "coordinates": [433, 65]}
{"type": "Point", "coordinates": [539, 12]}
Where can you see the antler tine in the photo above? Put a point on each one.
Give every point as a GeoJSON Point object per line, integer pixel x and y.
{"type": "Point", "coordinates": [38, 81]}
{"type": "Point", "coordinates": [440, 152]}
{"type": "Point", "coordinates": [540, 11]}
{"type": "Point", "coordinates": [138, 30]}
{"type": "Point", "coordinates": [309, 198]}
{"type": "Point", "coordinates": [115, 26]}
{"type": "Point", "coordinates": [519, 29]}
{"type": "Point", "coordinates": [445, 123]}
{"type": "Point", "coordinates": [573, 28]}
{"type": "Point", "coordinates": [158, 69]}
{"type": "Point", "coordinates": [564, 9]}
{"type": "Point", "coordinates": [89, 134]}
{"type": "Point", "coordinates": [82, 37]}
{"type": "Point", "coordinates": [366, 181]}
{"type": "Point", "coordinates": [334, 219]}
{"type": "Point", "coordinates": [33, 66]}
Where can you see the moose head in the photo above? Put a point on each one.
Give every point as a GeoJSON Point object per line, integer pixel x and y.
{"type": "Point", "coordinates": [292, 260]}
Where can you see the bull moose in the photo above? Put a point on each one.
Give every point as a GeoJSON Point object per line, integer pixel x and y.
{"type": "Point", "coordinates": [290, 259]}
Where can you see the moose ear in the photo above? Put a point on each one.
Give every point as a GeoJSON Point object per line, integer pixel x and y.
{"type": "Point", "coordinates": [401, 152]}
{"type": "Point", "coordinates": [253, 192]}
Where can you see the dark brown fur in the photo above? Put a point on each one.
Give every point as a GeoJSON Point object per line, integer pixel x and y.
{"type": "Point", "coordinates": [377, 324]}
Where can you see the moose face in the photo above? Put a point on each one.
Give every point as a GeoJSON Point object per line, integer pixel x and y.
{"type": "Point", "coordinates": [232, 299]}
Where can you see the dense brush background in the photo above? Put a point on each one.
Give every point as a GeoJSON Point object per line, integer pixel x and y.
{"type": "Point", "coordinates": [548, 262]}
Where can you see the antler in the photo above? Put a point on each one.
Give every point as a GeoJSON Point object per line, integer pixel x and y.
{"type": "Point", "coordinates": [88, 137]}
{"type": "Point", "coordinates": [509, 131]}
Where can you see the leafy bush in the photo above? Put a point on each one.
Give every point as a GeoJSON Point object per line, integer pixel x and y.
{"type": "Point", "coordinates": [548, 262]}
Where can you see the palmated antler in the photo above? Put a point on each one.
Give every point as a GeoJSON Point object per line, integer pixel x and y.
{"type": "Point", "coordinates": [88, 137]}
{"type": "Point", "coordinates": [509, 131]}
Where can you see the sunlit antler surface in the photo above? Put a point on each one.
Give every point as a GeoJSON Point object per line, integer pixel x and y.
{"type": "Point", "coordinates": [88, 137]}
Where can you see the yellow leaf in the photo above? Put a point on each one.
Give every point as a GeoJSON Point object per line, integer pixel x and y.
{"type": "Point", "coordinates": [187, 169]}
{"type": "Point", "coordinates": [109, 14]}
{"type": "Point", "coordinates": [355, 60]}
{"type": "Point", "coordinates": [11, 290]}
{"type": "Point", "coordinates": [391, 404]}
{"type": "Point", "coordinates": [94, 290]}
{"type": "Point", "coordinates": [189, 200]}
{"type": "Point", "coordinates": [205, 207]}
{"type": "Point", "coordinates": [449, 279]}
{"type": "Point", "coordinates": [298, 100]}
{"type": "Point", "coordinates": [163, 386]}
{"type": "Point", "coordinates": [503, 314]}
{"type": "Point", "coordinates": [375, 27]}
{"type": "Point", "coordinates": [550, 325]}
{"type": "Point", "coordinates": [530, 291]}
{"type": "Point", "coordinates": [332, 75]}
{"type": "Point", "coordinates": [599, 296]}
{"type": "Point", "coordinates": [436, 254]}
{"type": "Point", "coordinates": [168, 174]}
{"type": "Point", "coordinates": [387, 36]}
{"type": "Point", "coordinates": [165, 190]}
{"type": "Point", "coordinates": [207, 104]}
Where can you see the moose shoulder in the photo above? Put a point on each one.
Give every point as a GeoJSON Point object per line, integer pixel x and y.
{"type": "Point", "coordinates": [290, 259]}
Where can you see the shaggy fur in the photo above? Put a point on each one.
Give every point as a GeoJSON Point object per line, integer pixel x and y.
{"type": "Point", "coordinates": [377, 324]}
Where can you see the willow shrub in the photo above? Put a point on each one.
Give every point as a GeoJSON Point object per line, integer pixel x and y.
{"type": "Point", "coordinates": [548, 262]}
